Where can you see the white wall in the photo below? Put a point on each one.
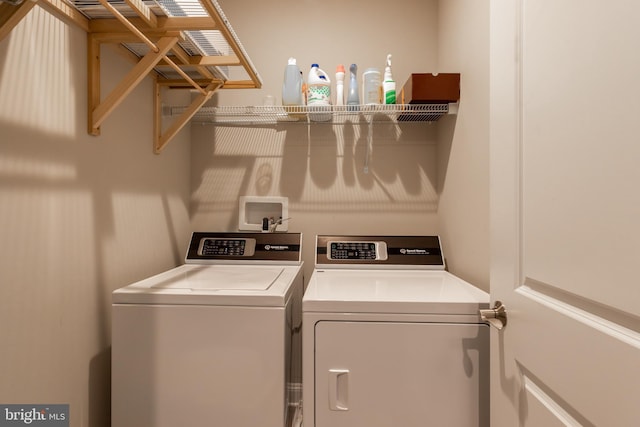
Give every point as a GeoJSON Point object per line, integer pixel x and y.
{"type": "Point", "coordinates": [418, 174]}
{"type": "Point", "coordinates": [79, 216]}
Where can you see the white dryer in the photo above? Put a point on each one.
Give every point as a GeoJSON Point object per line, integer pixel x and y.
{"type": "Point", "coordinates": [213, 342]}
{"type": "Point", "coordinates": [392, 339]}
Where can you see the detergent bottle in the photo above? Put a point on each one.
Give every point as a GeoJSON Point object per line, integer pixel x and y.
{"type": "Point", "coordinates": [292, 90]}
{"type": "Point", "coordinates": [292, 85]}
{"type": "Point", "coordinates": [318, 94]}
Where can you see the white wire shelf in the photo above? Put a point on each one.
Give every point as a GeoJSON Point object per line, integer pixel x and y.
{"type": "Point", "coordinates": [255, 115]}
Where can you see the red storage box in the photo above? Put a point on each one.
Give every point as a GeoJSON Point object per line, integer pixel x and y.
{"type": "Point", "coordinates": [427, 88]}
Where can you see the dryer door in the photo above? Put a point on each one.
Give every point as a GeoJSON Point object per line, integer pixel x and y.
{"type": "Point", "coordinates": [381, 374]}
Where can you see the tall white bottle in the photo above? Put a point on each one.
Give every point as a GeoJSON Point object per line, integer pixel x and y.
{"type": "Point", "coordinates": [340, 85]}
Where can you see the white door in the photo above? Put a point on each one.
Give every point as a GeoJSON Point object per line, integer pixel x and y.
{"type": "Point", "coordinates": [565, 212]}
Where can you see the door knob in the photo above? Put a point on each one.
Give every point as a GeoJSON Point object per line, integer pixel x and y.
{"type": "Point", "coordinates": [496, 316]}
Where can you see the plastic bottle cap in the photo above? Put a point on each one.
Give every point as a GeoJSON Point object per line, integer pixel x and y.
{"type": "Point", "coordinates": [315, 65]}
{"type": "Point", "coordinates": [340, 69]}
{"type": "Point", "coordinates": [292, 61]}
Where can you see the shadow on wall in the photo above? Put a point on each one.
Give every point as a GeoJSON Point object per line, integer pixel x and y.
{"type": "Point", "coordinates": [351, 166]}
{"type": "Point", "coordinates": [446, 133]}
{"type": "Point", "coordinates": [76, 213]}
{"type": "Point", "coordinates": [86, 224]}
{"type": "Point", "coordinates": [100, 389]}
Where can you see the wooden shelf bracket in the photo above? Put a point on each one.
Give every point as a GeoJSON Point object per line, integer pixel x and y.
{"type": "Point", "coordinates": [161, 139]}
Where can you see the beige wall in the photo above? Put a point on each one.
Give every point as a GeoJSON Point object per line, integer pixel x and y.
{"type": "Point", "coordinates": [79, 216]}
{"type": "Point", "coordinates": [423, 179]}
{"type": "Point", "coordinates": [463, 150]}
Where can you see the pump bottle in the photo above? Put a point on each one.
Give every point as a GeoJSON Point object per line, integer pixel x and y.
{"type": "Point", "coordinates": [388, 84]}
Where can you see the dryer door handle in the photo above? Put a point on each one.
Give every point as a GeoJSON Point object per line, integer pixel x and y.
{"type": "Point", "coordinates": [339, 389]}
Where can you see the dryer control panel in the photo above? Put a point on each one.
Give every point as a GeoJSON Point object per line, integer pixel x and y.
{"type": "Point", "coordinates": [356, 250]}
{"type": "Point", "coordinates": [409, 252]}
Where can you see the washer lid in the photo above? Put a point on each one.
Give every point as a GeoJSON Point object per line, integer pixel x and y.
{"type": "Point", "coordinates": [392, 291]}
{"type": "Point", "coordinates": [224, 278]}
{"type": "Point", "coordinates": [236, 285]}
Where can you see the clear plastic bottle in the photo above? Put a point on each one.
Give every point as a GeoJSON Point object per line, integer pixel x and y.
{"type": "Point", "coordinates": [371, 86]}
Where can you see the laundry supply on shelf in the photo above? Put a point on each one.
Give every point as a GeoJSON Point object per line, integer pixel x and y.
{"type": "Point", "coordinates": [318, 94]}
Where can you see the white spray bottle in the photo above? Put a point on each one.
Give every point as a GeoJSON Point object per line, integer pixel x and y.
{"type": "Point", "coordinates": [388, 84]}
{"type": "Point", "coordinates": [353, 99]}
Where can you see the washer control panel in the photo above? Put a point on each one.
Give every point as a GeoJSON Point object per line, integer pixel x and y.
{"type": "Point", "coordinates": [226, 247]}
{"type": "Point", "coordinates": [232, 247]}
{"type": "Point", "coordinates": [356, 250]}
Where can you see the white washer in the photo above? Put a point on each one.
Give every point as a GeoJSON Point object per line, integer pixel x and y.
{"type": "Point", "coordinates": [214, 342]}
{"type": "Point", "coordinates": [392, 339]}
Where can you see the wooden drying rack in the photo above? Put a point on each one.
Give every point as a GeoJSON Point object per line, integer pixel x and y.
{"type": "Point", "coordinates": [134, 22]}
